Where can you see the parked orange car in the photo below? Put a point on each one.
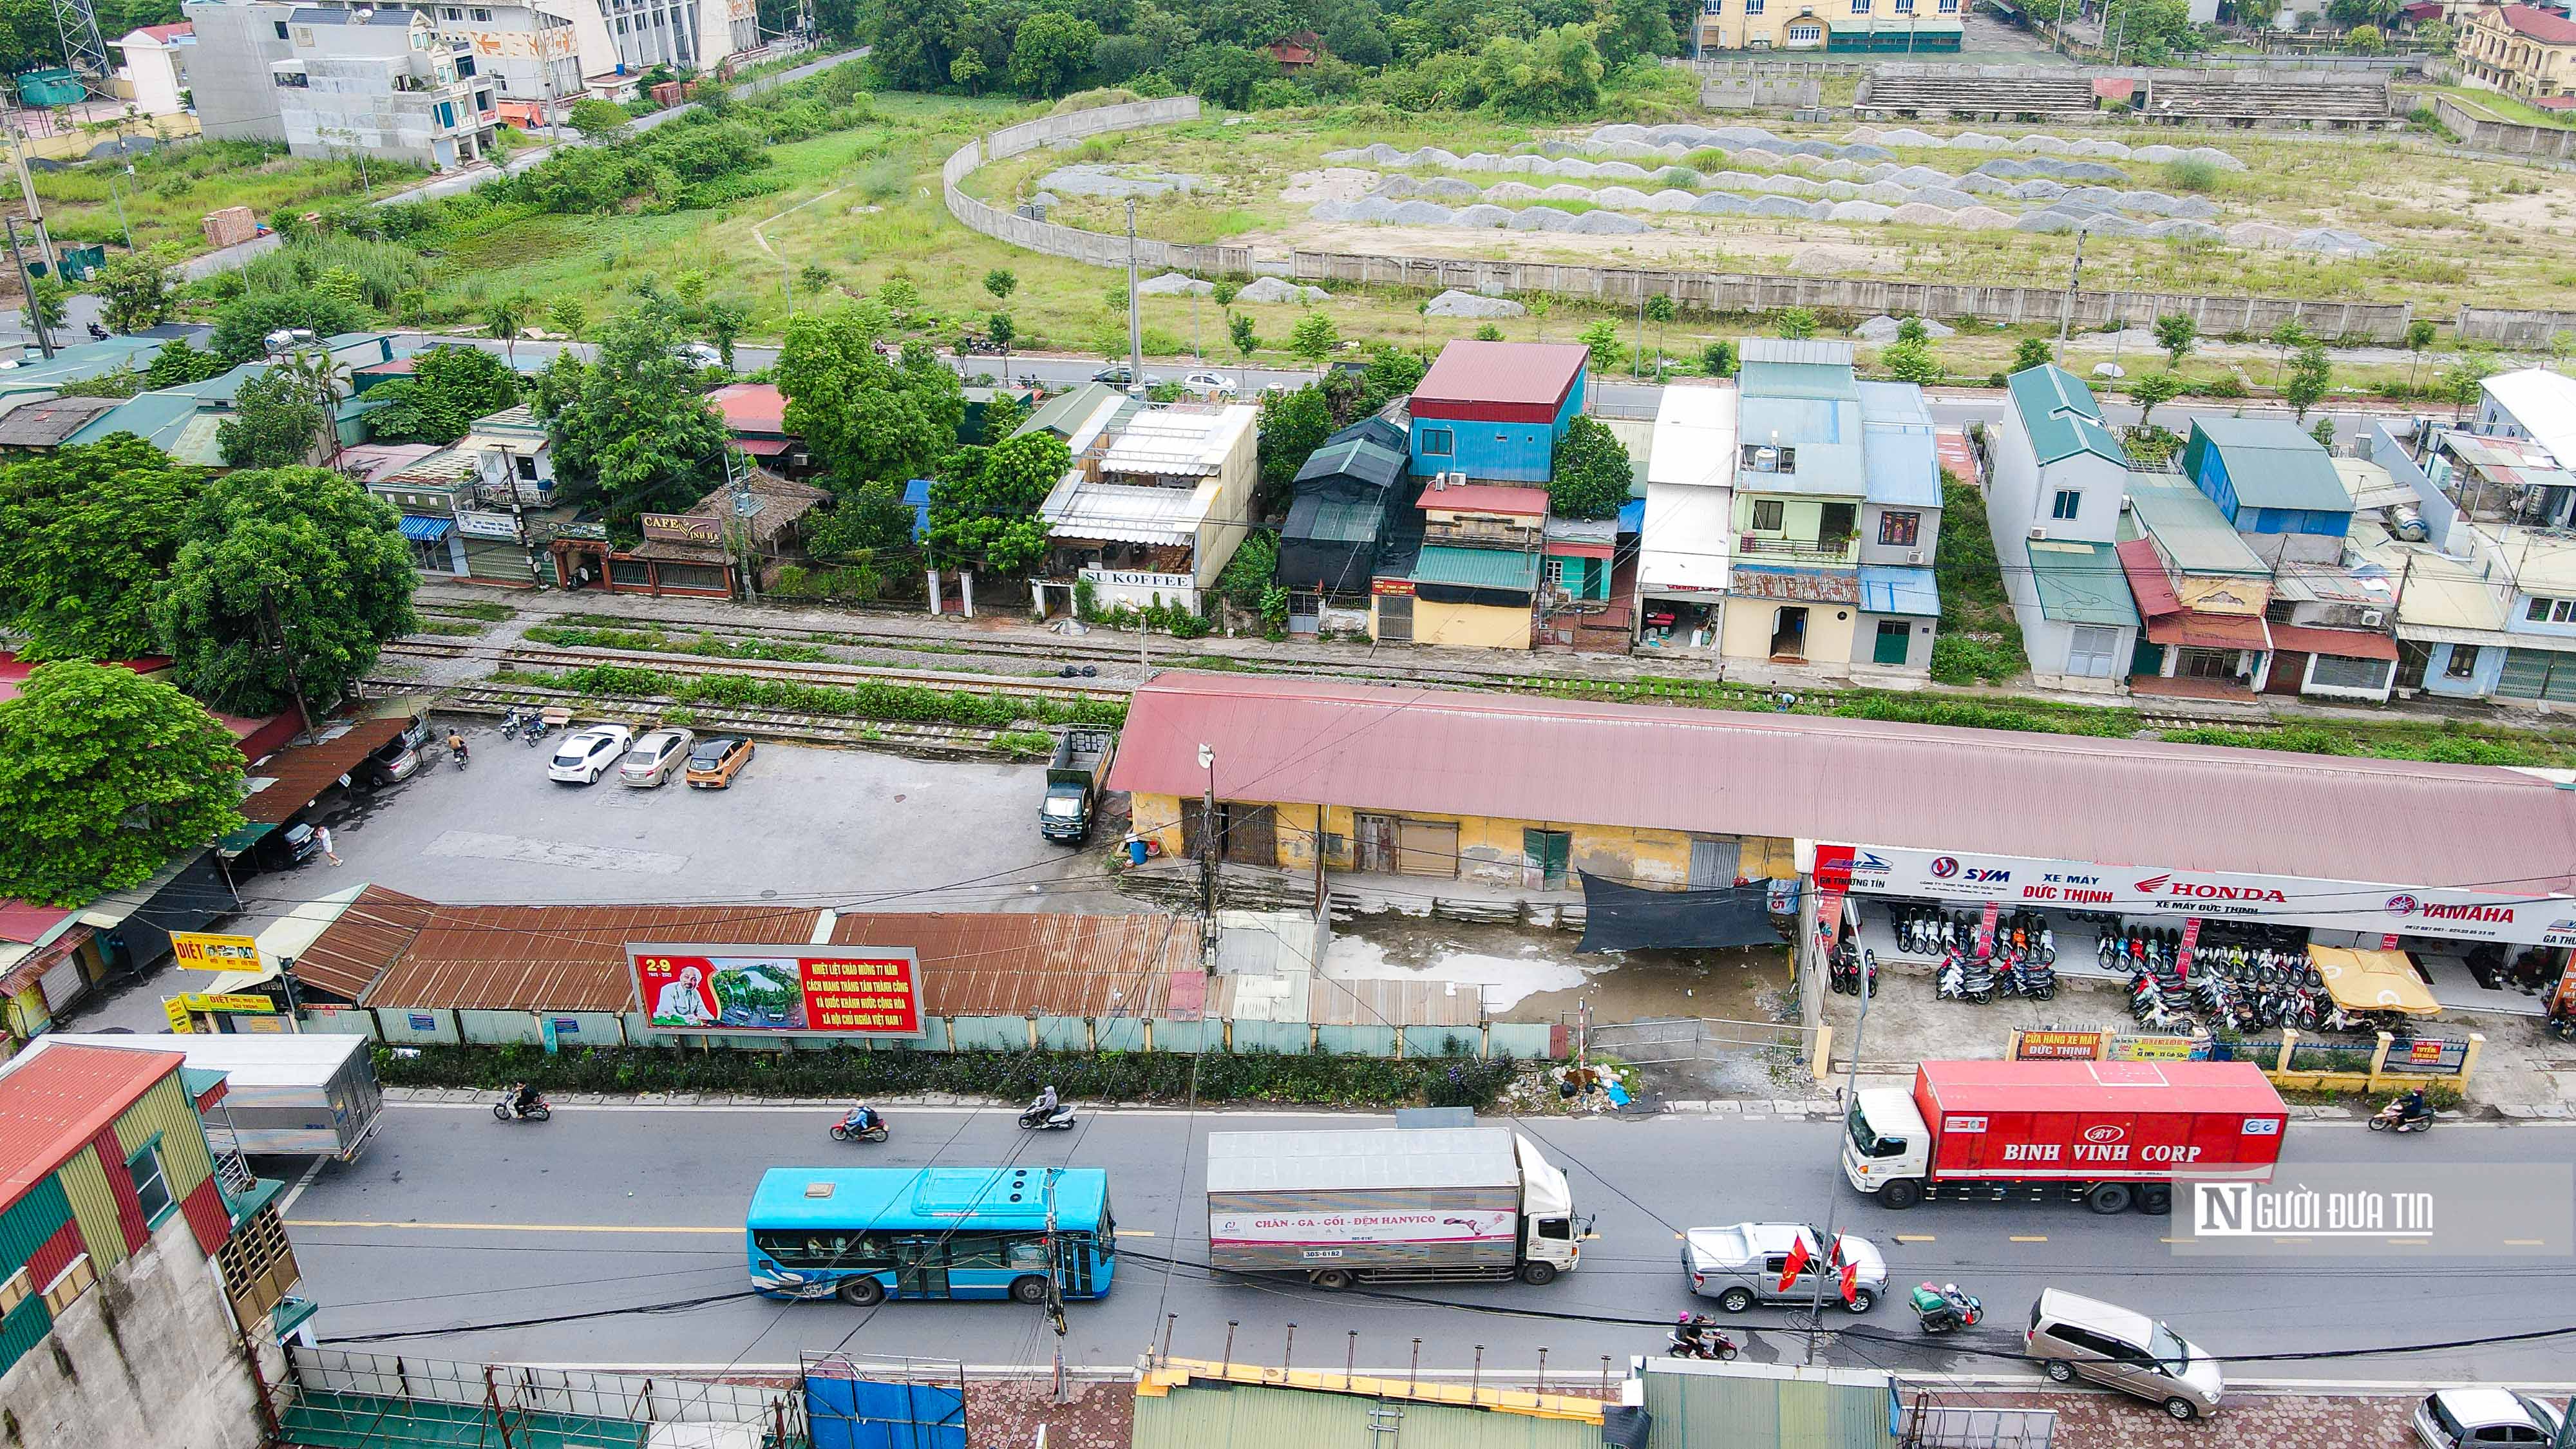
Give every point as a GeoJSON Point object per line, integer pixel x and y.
{"type": "Point", "coordinates": [713, 763]}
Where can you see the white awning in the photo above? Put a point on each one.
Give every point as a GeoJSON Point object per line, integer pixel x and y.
{"type": "Point", "coordinates": [1683, 540]}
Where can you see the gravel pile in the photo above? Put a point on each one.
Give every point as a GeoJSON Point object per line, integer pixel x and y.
{"type": "Point", "coordinates": [1174, 284]}
{"type": "Point", "coordinates": [1883, 329]}
{"type": "Point", "coordinates": [1277, 289]}
{"type": "Point", "coordinates": [1113, 184]}
{"type": "Point", "coordinates": [1454, 303]}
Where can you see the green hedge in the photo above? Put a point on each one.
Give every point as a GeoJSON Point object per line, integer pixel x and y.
{"type": "Point", "coordinates": [904, 703]}
{"type": "Point", "coordinates": [1307, 1078]}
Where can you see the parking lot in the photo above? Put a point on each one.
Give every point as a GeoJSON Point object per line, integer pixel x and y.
{"type": "Point", "coordinates": [809, 826]}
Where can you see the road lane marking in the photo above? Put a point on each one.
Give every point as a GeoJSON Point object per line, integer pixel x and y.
{"type": "Point", "coordinates": [1914, 1237]}
{"type": "Point", "coordinates": [287, 1204]}
{"type": "Point", "coordinates": [2030, 1240]}
{"type": "Point", "coordinates": [2524, 1243]}
{"type": "Point", "coordinates": [506, 1227]}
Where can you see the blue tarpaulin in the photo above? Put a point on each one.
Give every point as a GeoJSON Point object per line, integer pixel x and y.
{"type": "Point", "coordinates": [426, 530]}
{"type": "Point", "coordinates": [854, 1413]}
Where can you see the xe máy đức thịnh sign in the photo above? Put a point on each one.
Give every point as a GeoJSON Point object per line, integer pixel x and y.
{"type": "Point", "coordinates": [860, 991]}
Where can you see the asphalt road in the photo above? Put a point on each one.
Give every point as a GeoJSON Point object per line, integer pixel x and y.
{"type": "Point", "coordinates": [453, 1220]}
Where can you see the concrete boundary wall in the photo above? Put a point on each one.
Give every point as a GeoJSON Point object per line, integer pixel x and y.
{"type": "Point", "coordinates": [1706, 291]}
{"type": "Point", "coordinates": [2512, 329]}
{"type": "Point", "coordinates": [2490, 133]}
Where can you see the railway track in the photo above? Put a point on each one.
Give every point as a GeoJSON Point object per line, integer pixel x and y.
{"type": "Point", "coordinates": [425, 649]}
{"type": "Point", "coordinates": [922, 741]}
{"type": "Point", "coordinates": [550, 657]}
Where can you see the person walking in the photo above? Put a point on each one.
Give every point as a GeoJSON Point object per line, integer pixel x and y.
{"type": "Point", "coordinates": [322, 837]}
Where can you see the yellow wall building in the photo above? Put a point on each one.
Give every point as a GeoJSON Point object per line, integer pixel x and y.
{"type": "Point", "coordinates": [2520, 50]}
{"type": "Point", "coordinates": [1893, 26]}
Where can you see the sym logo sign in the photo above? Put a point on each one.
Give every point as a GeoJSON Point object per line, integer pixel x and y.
{"type": "Point", "coordinates": [2105, 1133]}
{"type": "Point", "coordinates": [1944, 867]}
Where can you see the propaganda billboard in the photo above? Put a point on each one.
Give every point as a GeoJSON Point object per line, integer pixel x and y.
{"type": "Point", "coordinates": [855, 991]}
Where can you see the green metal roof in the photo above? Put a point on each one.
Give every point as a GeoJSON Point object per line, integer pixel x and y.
{"type": "Point", "coordinates": [2080, 583]}
{"type": "Point", "coordinates": [2271, 463]}
{"type": "Point", "coordinates": [1766, 1406]}
{"type": "Point", "coordinates": [1477, 568]}
{"type": "Point", "coordinates": [1347, 522]}
{"type": "Point", "coordinates": [2058, 412]}
{"type": "Point", "coordinates": [1062, 415]}
{"type": "Point", "coordinates": [2189, 528]}
{"type": "Point", "coordinates": [1243, 1416]}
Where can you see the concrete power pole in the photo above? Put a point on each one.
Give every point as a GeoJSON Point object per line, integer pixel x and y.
{"type": "Point", "coordinates": [1135, 325]}
{"type": "Point", "coordinates": [2066, 314]}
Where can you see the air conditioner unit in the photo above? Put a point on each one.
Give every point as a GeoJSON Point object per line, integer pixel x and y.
{"type": "Point", "coordinates": [1916, 557]}
{"type": "Point", "coordinates": [2371, 618]}
{"type": "Point", "coordinates": [1449, 480]}
{"type": "Point", "coordinates": [2039, 533]}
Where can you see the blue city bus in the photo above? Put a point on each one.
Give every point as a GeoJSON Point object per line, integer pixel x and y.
{"type": "Point", "coordinates": [867, 1233]}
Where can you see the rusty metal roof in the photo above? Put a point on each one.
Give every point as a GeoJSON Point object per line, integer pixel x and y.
{"type": "Point", "coordinates": [559, 958]}
{"type": "Point", "coordinates": [292, 778]}
{"type": "Point", "coordinates": [57, 1099]}
{"type": "Point", "coordinates": [1031, 964]}
{"type": "Point", "coordinates": [365, 939]}
{"type": "Point", "coordinates": [2116, 801]}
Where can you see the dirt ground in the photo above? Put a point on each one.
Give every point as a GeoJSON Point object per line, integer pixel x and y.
{"type": "Point", "coordinates": [1683, 241]}
{"type": "Point", "coordinates": [1532, 976]}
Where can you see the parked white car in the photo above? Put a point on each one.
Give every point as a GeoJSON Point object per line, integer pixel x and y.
{"type": "Point", "coordinates": [580, 759]}
{"type": "Point", "coordinates": [1208, 384]}
{"type": "Point", "coordinates": [655, 758]}
{"type": "Point", "coordinates": [2484, 1419]}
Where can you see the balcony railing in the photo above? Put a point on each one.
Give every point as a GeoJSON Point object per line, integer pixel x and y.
{"type": "Point", "coordinates": [1478, 534]}
{"type": "Point", "coordinates": [1834, 548]}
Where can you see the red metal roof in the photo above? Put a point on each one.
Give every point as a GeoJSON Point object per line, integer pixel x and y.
{"type": "Point", "coordinates": [57, 1100]}
{"type": "Point", "coordinates": [752, 407]}
{"type": "Point", "coordinates": [1500, 382]}
{"type": "Point", "coordinates": [26, 923]}
{"type": "Point", "coordinates": [362, 941]}
{"type": "Point", "coordinates": [1485, 498]}
{"type": "Point", "coordinates": [2130, 802]}
{"type": "Point", "coordinates": [2208, 631]}
{"type": "Point", "coordinates": [2540, 25]}
{"type": "Point", "coordinates": [14, 670]}
{"type": "Point", "coordinates": [297, 775]}
{"type": "Point", "coordinates": [2337, 643]}
{"type": "Point", "coordinates": [1019, 963]}
{"type": "Point", "coordinates": [2147, 578]}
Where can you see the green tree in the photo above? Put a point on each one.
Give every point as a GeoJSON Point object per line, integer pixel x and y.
{"type": "Point", "coordinates": [1592, 475]}
{"type": "Point", "coordinates": [1797, 324]}
{"type": "Point", "coordinates": [177, 364]}
{"type": "Point", "coordinates": [1718, 358]}
{"type": "Point", "coordinates": [1912, 361]}
{"type": "Point", "coordinates": [2289, 337]}
{"type": "Point", "coordinates": [725, 322]}
{"type": "Point", "coordinates": [2032, 352]}
{"type": "Point", "coordinates": [998, 327]}
{"type": "Point", "coordinates": [866, 419]}
{"type": "Point", "coordinates": [276, 422]}
{"type": "Point", "coordinates": [1003, 416]}
{"type": "Point", "coordinates": [567, 315]}
{"type": "Point", "coordinates": [600, 120]}
{"type": "Point", "coordinates": [1912, 329]}
{"type": "Point", "coordinates": [105, 778]}
{"type": "Point", "coordinates": [2419, 334]}
{"type": "Point", "coordinates": [1238, 329]}
{"type": "Point", "coordinates": [911, 41]}
{"type": "Point", "coordinates": [505, 319]}
{"type": "Point", "coordinates": [2324, 433]}
{"type": "Point", "coordinates": [1553, 75]}
{"type": "Point", "coordinates": [1223, 291]}
{"type": "Point", "coordinates": [1052, 53]}
{"type": "Point", "coordinates": [345, 284]}
{"type": "Point", "coordinates": [289, 577]}
{"type": "Point", "coordinates": [630, 427]}
{"type": "Point", "coordinates": [2464, 380]}
{"type": "Point", "coordinates": [2175, 333]}
{"type": "Point", "coordinates": [1633, 30]}
{"type": "Point", "coordinates": [1293, 425]}
{"type": "Point", "coordinates": [1358, 39]}
{"type": "Point", "coordinates": [52, 300]}
{"type": "Point", "coordinates": [1391, 373]}
{"type": "Point", "coordinates": [1000, 283]}
{"type": "Point", "coordinates": [1603, 338]}
{"type": "Point", "coordinates": [86, 532]}
{"type": "Point", "coordinates": [863, 525]}
{"type": "Point", "coordinates": [1314, 338]}
{"type": "Point", "coordinates": [135, 293]}
{"type": "Point", "coordinates": [984, 505]}
{"type": "Point", "coordinates": [966, 72]}
{"type": "Point", "coordinates": [242, 325]}
{"type": "Point", "coordinates": [449, 387]}
{"type": "Point", "coordinates": [2310, 375]}
{"type": "Point", "coordinates": [2152, 392]}
{"type": "Point", "coordinates": [1226, 74]}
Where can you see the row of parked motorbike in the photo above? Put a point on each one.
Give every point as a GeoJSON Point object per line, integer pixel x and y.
{"type": "Point", "coordinates": [2018, 959]}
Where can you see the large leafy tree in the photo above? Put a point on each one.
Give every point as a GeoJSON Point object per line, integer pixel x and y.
{"type": "Point", "coordinates": [866, 419]}
{"type": "Point", "coordinates": [275, 422]}
{"type": "Point", "coordinates": [631, 426]}
{"type": "Point", "coordinates": [104, 776]}
{"type": "Point", "coordinates": [912, 42]}
{"type": "Point", "coordinates": [1052, 53]}
{"type": "Point", "coordinates": [135, 293]}
{"type": "Point", "coordinates": [86, 534]}
{"type": "Point", "coordinates": [448, 389]}
{"type": "Point", "coordinates": [984, 507]}
{"type": "Point", "coordinates": [1293, 426]}
{"type": "Point", "coordinates": [289, 581]}
{"type": "Point", "coordinates": [1593, 475]}
{"type": "Point", "coordinates": [178, 364]}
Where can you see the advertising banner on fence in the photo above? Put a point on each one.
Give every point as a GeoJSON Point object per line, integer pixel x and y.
{"type": "Point", "coordinates": [812, 990]}
{"type": "Point", "coordinates": [2146, 890]}
{"type": "Point", "coordinates": [200, 951]}
{"type": "Point", "coordinates": [2062, 1046]}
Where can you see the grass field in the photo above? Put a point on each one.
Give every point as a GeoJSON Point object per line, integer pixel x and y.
{"type": "Point", "coordinates": [166, 199]}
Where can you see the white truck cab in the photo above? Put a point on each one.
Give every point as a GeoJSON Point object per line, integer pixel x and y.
{"type": "Point", "coordinates": [1884, 1139]}
{"type": "Point", "coordinates": [1551, 1235]}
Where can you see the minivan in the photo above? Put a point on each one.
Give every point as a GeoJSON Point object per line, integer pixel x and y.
{"type": "Point", "coordinates": [2075, 1337]}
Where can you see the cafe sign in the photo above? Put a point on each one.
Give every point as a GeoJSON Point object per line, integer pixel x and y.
{"type": "Point", "coordinates": [683, 528]}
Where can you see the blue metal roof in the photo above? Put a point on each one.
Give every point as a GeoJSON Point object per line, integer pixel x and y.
{"type": "Point", "coordinates": [893, 1197]}
{"type": "Point", "coordinates": [426, 530]}
{"type": "Point", "coordinates": [1904, 466]}
{"type": "Point", "coordinates": [1885, 590]}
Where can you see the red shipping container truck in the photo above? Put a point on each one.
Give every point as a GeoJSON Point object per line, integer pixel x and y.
{"type": "Point", "coordinates": [2110, 1134]}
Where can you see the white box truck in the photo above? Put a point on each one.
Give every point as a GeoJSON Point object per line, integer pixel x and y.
{"type": "Point", "coordinates": [1417, 1203]}
{"type": "Point", "coordinates": [286, 1094]}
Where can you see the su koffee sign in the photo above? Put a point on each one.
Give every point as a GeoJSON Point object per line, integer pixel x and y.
{"type": "Point", "coordinates": [2141, 891]}
{"type": "Point", "coordinates": [857, 991]}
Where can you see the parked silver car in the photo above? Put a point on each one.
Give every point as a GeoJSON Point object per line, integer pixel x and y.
{"type": "Point", "coordinates": [1743, 1265]}
{"type": "Point", "coordinates": [655, 758]}
{"type": "Point", "coordinates": [2077, 1337]}
{"type": "Point", "coordinates": [2484, 1419]}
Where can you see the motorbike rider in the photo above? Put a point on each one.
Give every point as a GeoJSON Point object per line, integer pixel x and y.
{"type": "Point", "coordinates": [456, 744]}
{"type": "Point", "coordinates": [2414, 1106]}
{"type": "Point", "coordinates": [1044, 1106]}
{"type": "Point", "coordinates": [862, 1118]}
{"type": "Point", "coordinates": [525, 1098]}
{"type": "Point", "coordinates": [1691, 1336]}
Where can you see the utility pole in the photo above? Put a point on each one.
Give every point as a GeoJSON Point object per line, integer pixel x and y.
{"type": "Point", "coordinates": [1135, 327]}
{"type": "Point", "coordinates": [1055, 1287]}
{"type": "Point", "coordinates": [2066, 314]}
{"type": "Point", "coordinates": [35, 321]}
{"type": "Point", "coordinates": [1637, 364]}
{"type": "Point", "coordinates": [1208, 846]}
{"type": "Point", "coordinates": [27, 189]}
{"type": "Point", "coordinates": [1834, 1198]}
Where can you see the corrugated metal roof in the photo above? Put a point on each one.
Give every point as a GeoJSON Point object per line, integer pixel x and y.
{"type": "Point", "coordinates": [1484, 498]}
{"type": "Point", "coordinates": [2209, 631]}
{"type": "Point", "coordinates": [53, 1101]}
{"type": "Point", "coordinates": [2337, 643]}
{"type": "Point", "coordinates": [1886, 590]}
{"type": "Point", "coordinates": [2114, 801]}
{"type": "Point", "coordinates": [1477, 568]}
{"type": "Point", "coordinates": [292, 778]}
{"type": "Point", "coordinates": [2079, 583]}
{"type": "Point", "coordinates": [753, 407]}
{"type": "Point", "coordinates": [2273, 463]}
{"type": "Point", "coordinates": [1765, 1406]}
{"type": "Point", "coordinates": [1903, 466]}
{"type": "Point", "coordinates": [46, 422]}
{"type": "Point", "coordinates": [2190, 529]}
{"type": "Point", "coordinates": [2059, 415]}
{"type": "Point", "coordinates": [1794, 352]}
{"type": "Point", "coordinates": [1685, 536]}
{"type": "Point", "coordinates": [362, 941]}
{"type": "Point", "coordinates": [2148, 583]}
{"type": "Point", "coordinates": [2543, 401]}
{"type": "Point", "coordinates": [1490, 379]}
{"type": "Point", "coordinates": [558, 958]}
{"type": "Point", "coordinates": [1372, 450]}
{"type": "Point", "coordinates": [1020, 963]}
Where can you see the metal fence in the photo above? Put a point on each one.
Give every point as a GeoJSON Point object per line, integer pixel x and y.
{"type": "Point", "coordinates": [386, 1401]}
{"type": "Point", "coordinates": [2427, 1056]}
{"type": "Point", "coordinates": [1925, 1425]}
{"type": "Point", "coordinates": [1699, 1039]}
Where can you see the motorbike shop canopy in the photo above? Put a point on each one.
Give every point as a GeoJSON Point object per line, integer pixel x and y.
{"type": "Point", "coordinates": [2373, 981]}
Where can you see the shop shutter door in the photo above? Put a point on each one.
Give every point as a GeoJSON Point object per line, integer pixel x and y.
{"type": "Point", "coordinates": [1426, 847]}
{"type": "Point", "coordinates": [2289, 671]}
{"type": "Point", "coordinates": [1395, 619]}
{"type": "Point", "coordinates": [1713, 862]}
{"type": "Point", "coordinates": [63, 984]}
{"type": "Point", "coordinates": [2526, 672]}
{"type": "Point", "coordinates": [2088, 651]}
{"type": "Point", "coordinates": [1251, 834]}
